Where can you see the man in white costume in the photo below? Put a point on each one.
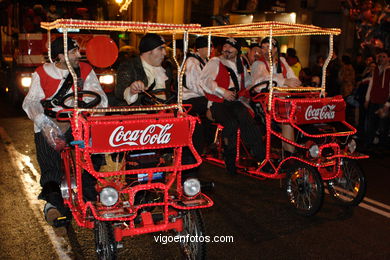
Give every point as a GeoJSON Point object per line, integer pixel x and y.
{"type": "Point", "coordinates": [50, 83]}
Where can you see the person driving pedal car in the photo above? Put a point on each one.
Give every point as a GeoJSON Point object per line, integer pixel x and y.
{"type": "Point", "coordinates": [144, 74]}
{"type": "Point", "coordinates": [283, 76]}
{"type": "Point", "coordinates": [222, 79]}
{"type": "Point", "coordinates": [51, 82]}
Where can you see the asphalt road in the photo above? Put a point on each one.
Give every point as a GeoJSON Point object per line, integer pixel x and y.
{"type": "Point", "coordinates": [254, 213]}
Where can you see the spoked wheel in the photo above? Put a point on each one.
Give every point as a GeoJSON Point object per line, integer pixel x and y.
{"type": "Point", "coordinates": [305, 189]}
{"type": "Point", "coordinates": [192, 242]}
{"type": "Point", "coordinates": [350, 187]}
{"type": "Point", "coordinates": [104, 239]}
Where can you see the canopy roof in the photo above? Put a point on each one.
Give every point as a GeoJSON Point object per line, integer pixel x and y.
{"type": "Point", "coordinates": [128, 26]}
{"type": "Point", "coordinates": [263, 29]}
{"type": "Point", "coordinates": [260, 29]}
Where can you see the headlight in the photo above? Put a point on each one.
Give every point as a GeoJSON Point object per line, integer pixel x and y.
{"type": "Point", "coordinates": [352, 145]}
{"type": "Point", "coordinates": [25, 81]}
{"type": "Point", "coordinates": [191, 187]}
{"type": "Point", "coordinates": [106, 79]}
{"type": "Point", "coordinates": [108, 196]}
{"type": "Point", "coordinates": [314, 151]}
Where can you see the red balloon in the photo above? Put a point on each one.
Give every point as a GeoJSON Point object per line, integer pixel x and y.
{"type": "Point", "coordinates": [101, 51]}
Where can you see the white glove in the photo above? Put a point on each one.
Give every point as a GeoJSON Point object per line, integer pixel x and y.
{"type": "Point", "coordinates": [51, 132]}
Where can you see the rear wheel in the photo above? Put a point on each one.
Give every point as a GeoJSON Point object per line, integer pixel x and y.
{"type": "Point", "coordinates": [305, 189]}
{"type": "Point", "coordinates": [192, 237]}
{"type": "Point", "coordinates": [104, 239]}
{"type": "Point", "coordinates": [350, 187]}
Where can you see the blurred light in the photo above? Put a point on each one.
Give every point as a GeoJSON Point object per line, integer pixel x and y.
{"type": "Point", "coordinates": [293, 17]}
{"type": "Point", "coordinates": [106, 79]}
{"type": "Point", "coordinates": [240, 18]}
{"type": "Point", "coordinates": [25, 81]}
{"type": "Point", "coordinates": [118, 1]}
{"type": "Point", "coordinates": [68, 29]}
{"type": "Point", "coordinates": [283, 48]}
{"type": "Point", "coordinates": [6, 89]}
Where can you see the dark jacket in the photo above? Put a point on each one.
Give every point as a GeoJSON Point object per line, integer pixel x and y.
{"type": "Point", "coordinates": [130, 71]}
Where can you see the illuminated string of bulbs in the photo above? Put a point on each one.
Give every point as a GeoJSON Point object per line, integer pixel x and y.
{"type": "Point", "coordinates": [260, 29]}
{"type": "Point", "coordinates": [125, 5]}
{"type": "Point", "coordinates": [239, 30]}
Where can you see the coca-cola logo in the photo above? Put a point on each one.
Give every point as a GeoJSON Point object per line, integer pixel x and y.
{"type": "Point", "coordinates": [321, 113]}
{"type": "Point", "coordinates": [152, 134]}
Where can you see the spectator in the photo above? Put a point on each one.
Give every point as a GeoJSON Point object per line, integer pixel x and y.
{"type": "Point", "coordinates": [307, 79]}
{"type": "Point", "coordinates": [39, 16]}
{"type": "Point", "coordinates": [359, 66]}
{"type": "Point", "coordinates": [293, 61]}
{"type": "Point", "coordinates": [317, 68]}
{"type": "Point", "coordinates": [332, 76]}
{"type": "Point", "coordinates": [52, 14]}
{"type": "Point", "coordinates": [361, 91]}
{"type": "Point", "coordinates": [376, 97]}
{"type": "Point", "coordinates": [346, 76]}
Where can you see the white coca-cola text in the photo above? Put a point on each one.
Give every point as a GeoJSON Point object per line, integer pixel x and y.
{"type": "Point", "coordinates": [149, 135]}
{"type": "Point", "coordinates": [321, 113]}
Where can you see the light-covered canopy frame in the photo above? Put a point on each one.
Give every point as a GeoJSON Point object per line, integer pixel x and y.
{"type": "Point", "coordinates": [123, 26]}
{"type": "Point", "coordinates": [260, 29]}
{"type": "Point", "coordinates": [274, 29]}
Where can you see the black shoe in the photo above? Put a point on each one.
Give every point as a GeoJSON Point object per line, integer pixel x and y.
{"type": "Point", "coordinates": [54, 218]}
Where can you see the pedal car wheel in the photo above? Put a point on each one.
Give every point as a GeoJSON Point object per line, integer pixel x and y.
{"type": "Point", "coordinates": [350, 187]}
{"type": "Point", "coordinates": [192, 244]}
{"type": "Point", "coordinates": [305, 189]}
{"type": "Point", "coordinates": [104, 240]}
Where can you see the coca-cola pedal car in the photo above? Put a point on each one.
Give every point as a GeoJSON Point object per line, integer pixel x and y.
{"type": "Point", "coordinates": [142, 190]}
{"type": "Point", "coordinates": [325, 151]}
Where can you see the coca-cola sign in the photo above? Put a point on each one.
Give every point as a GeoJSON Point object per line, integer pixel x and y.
{"type": "Point", "coordinates": [140, 134]}
{"type": "Point", "coordinates": [320, 110]}
{"type": "Point", "coordinates": [152, 134]}
{"type": "Point", "coordinates": [322, 113]}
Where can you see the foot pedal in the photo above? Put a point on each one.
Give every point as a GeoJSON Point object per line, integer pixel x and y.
{"type": "Point", "coordinates": [61, 222]}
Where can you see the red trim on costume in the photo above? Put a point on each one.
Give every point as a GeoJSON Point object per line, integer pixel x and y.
{"type": "Point", "coordinates": [223, 81]}
{"type": "Point", "coordinates": [284, 70]}
{"type": "Point", "coordinates": [50, 85]}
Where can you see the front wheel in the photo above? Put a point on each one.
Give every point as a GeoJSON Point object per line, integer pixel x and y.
{"type": "Point", "coordinates": [192, 237]}
{"type": "Point", "coordinates": [350, 187]}
{"type": "Point", "coordinates": [104, 239]}
{"type": "Point", "coordinates": [305, 189]}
